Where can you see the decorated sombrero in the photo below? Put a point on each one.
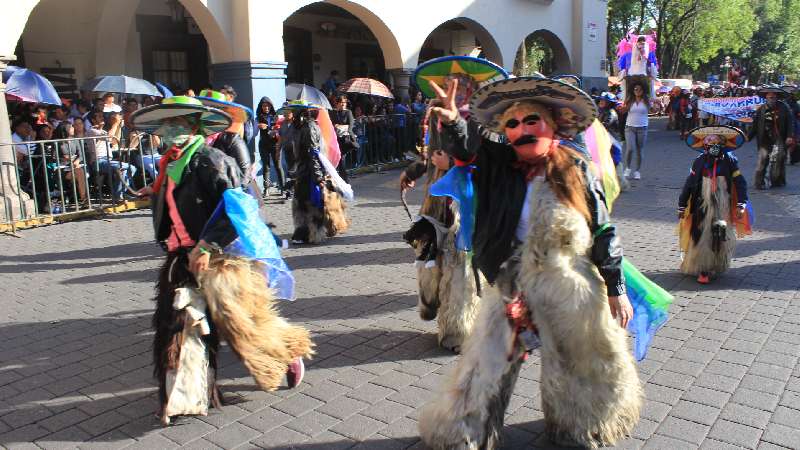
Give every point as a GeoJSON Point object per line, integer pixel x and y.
{"type": "Point", "coordinates": [573, 109]}
{"type": "Point", "coordinates": [438, 69]}
{"type": "Point", "coordinates": [730, 137]}
{"type": "Point", "coordinates": [569, 79]}
{"type": "Point", "coordinates": [151, 118]}
{"type": "Point", "coordinates": [609, 97]}
{"type": "Point", "coordinates": [215, 99]}
{"type": "Point", "coordinates": [294, 105]}
{"type": "Point", "coordinates": [766, 89]}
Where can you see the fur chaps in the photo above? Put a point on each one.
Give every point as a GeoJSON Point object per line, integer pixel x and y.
{"type": "Point", "coordinates": [700, 256]}
{"type": "Point", "coordinates": [590, 388]}
{"type": "Point", "coordinates": [243, 309]}
{"type": "Point", "coordinates": [312, 225]}
{"type": "Point", "coordinates": [448, 291]}
{"type": "Point", "coordinates": [170, 323]}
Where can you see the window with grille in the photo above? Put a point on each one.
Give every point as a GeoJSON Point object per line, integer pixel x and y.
{"type": "Point", "coordinates": [171, 68]}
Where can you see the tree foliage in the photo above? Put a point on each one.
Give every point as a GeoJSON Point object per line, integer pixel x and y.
{"type": "Point", "coordinates": [534, 55]}
{"type": "Point", "coordinates": [688, 32]}
{"type": "Point", "coordinates": [775, 46]}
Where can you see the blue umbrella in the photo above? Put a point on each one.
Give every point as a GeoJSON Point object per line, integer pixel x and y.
{"type": "Point", "coordinates": [306, 93]}
{"type": "Point", "coordinates": [164, 90]}
{"type": "Point", "coordinates": [121, 84]}
{"type": "Point", "coordinates": [28, 86]}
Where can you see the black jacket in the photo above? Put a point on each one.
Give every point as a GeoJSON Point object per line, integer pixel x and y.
{"type": "Point", "coordinates": [207, 176]}
{"type": "Point", "coordinates": [785, 124]}
{"type": "Point", "coordinates": [234, 146]}
{"type": "Point", "coordinates": [500, 192]}
{"type": "Point", "coordinates": [309, 171]}
{"type": "Point", "coordinates": [265, 141]}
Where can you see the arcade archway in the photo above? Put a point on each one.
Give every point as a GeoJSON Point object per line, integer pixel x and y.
{"type": "Point", "coordinates": [460, 36]}
{"type": "Point", "coordinates": [542, 52]}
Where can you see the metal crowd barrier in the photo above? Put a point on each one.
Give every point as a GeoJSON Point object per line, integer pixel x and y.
{"type": "Point", "coordinates": [382, 139]}
{"type": "Point", "coordinates": [66, 176]}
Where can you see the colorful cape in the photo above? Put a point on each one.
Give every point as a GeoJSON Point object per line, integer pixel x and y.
{"type": "Point", "coordinates": [598, 145]}
{"type": "Point", "coordinates": [650, 304]}
{"type": "Point", "coordinates": [255, 241]}
{"type": "Point", "coordinates": [457, 184]}
{"type": "Point", "coordinates": [332, 150]}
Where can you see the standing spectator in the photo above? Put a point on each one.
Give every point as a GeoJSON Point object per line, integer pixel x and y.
{"type": "Point", "coordinates": [104, 165]}
{"type": "Point", "coordinates": [342, 119]}
{"type": "Point", "coordinates": [360, 130]}
{"type": "Point", "coordinates": [286, 144]}
{"type": "Point", "coordinates": [772, 128]}
{"type": "Point", "coordinates": [58, 115]}
{"type": "Point", "coordinates": [637, 107]}
{"type": "Point", "coordinates": [268, 144]}
{"type": "Point", "coordinates": [684, 114]}
{"type": "Point", "coordinates": [329, 87]}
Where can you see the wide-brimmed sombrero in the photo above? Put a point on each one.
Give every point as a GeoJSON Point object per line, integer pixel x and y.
{"type": "Point", "coordinates": [766, 89]}
{"type": "Point", "coordinates": [151, 118]}
{"type": "Point", "coordinates": [573, 109]}
{"type": "Point", "coordinates": [215, 99]}
{"type": "Point", "coordinates": [438, 69]}
{"type": "Point", "coordinates": [609, 97]}
{"type": "Point", "coordinates": [295, 105]}
{"type": "Point", "coordinates": [731, 137]}
{"type": "Point", "coordinates": [569, 79]}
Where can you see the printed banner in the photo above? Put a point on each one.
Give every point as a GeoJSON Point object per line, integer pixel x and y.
{"type": "Point", "coordinates": [735, 108]}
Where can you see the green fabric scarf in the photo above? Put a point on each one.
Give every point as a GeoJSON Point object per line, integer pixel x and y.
{"type": "Point", "coordinates": [175, 168]}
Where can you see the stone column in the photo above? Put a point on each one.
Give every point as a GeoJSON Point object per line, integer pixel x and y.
{"type": "Point", "coordinates": [402, 81]}
{"type": "Point", "coordinates": [14, 203]}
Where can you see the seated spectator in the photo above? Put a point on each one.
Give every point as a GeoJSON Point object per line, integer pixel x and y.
{"type": "Point", "coordinates": [109, 104]}
{"type": "Point", "coordinates": [71, 164]}
{"type": "Point", "coordinates": [22, 132]}
{"type": "Point", "coordinates": [105, 168]}
{"type": "Point", "coordinates": [58, 115]}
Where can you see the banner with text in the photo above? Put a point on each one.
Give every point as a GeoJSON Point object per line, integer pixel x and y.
{"type": "Point", "coordinates": [740, 109]}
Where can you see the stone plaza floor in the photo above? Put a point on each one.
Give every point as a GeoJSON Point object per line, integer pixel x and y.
{"type": "Point", "coordinates": [76, 302]}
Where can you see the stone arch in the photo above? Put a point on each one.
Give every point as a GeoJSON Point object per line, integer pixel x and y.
{"type": "Point", "coordinates": [383, 34]}
{"type": "Point", "coordinates": [489, 46]}
{"type": "Point", "coordinates": [558, 60]}
{"type": "Point", "coordinates": [220, 47]}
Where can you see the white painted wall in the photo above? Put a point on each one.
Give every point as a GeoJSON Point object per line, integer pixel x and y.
{"type": "Point", "coordinates": [240, 30]}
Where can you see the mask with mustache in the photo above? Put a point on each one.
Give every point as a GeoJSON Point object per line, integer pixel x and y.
{"type": "Point", "coordinates": [530, 131]}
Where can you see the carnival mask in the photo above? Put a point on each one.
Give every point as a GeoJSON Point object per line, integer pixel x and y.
{"type": "Point", "coordinates": [530, 130]}
{"type": "Point", "coordinates": [175, 134]}
{"type": "Point", "coordinates": [713, 145]}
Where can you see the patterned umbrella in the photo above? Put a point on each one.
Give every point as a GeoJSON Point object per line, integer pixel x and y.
{"type": "Point", "coordinates": [366, 86]}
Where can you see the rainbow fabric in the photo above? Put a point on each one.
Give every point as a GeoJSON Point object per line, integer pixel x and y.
{"type": "Point", "coordinates": [650, 304]}
{"type": "Point", "coordinates": [598, 144]}
{"type": "Point", "coordinates": [329, 137]}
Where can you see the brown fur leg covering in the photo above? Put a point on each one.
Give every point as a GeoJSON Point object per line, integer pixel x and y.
{"type": "Point", "coordinates": [335, 213]}
{"type": "Point", "coordinates": [243, 309]}
{"type": "Point", "coordinates": [167, 322]}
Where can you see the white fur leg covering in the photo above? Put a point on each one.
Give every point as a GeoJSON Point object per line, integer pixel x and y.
{"type": "Point", "coordinates": [468, 412]}
{"type": "Point", "coordinates": [428, 281]}
{"type": "Point", "coordinates": [459, 298]}
{"type": "Point", "coordinates": [700, 257]}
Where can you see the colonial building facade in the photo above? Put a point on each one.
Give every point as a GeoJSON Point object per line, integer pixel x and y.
{"type": "Point", "coordinates": [258, 45]}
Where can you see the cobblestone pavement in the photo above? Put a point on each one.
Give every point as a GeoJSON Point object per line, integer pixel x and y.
{"type": "Point", "coordinates": [75, 365]}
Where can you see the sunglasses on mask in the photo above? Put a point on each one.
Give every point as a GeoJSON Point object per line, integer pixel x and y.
{"type": "Point", "coordinates": [528, 120]}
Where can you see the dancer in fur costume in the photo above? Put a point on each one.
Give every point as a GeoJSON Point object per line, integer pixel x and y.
{"type": "Point", "coordinates": [191, 223]}
{"type": "Point", "coordinates": [712, 205]}
{"type": "Point", "coordinates": [552, 259]}
{"type": "Point", "coordinates": [318, 207]}
{"type": "Point", "coordinates": [448, 286]}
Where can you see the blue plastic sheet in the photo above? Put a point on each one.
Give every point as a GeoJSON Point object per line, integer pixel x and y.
{"type": "Point", "coordinates": [257, 242]}
{"type": "Point", "coordinates": [457, 184]}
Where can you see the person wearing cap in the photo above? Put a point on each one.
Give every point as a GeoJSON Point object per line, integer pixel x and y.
{"type": "Point", "coordinates": [552, 261]}
{"type": "Point", "coordinates": [773, 128]}
{"type": "Point", "coordinates": [447, 281]}
{"type": "Point", "coordinates": [196, 232]}
{"type": "Point", "coordinates": [318, 210]}
{"type": "Point", "coordinates": [712, 203]}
